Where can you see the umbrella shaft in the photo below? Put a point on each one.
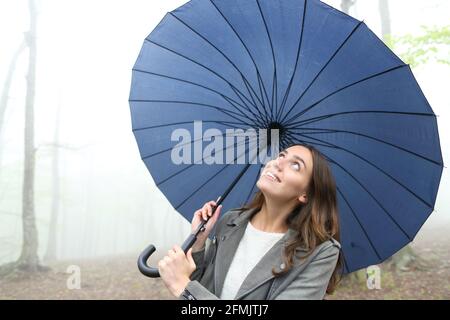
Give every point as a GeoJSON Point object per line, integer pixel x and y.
{"type": "Point", "coordinates": [189, 242]}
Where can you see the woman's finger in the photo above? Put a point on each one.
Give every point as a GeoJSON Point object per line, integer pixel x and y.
{"type": "Point", "coordinates": [204, 214]}
{"type": "Point", "coordinates": [177, 249]}
{"type": "Point", "coordinates": [206, 211]}
{"type": "Point", "coordinates": [216, 214]}
{"type": "Point", "coordinates": [191, 259]}
{"type": "Point", "coordinates": [213, 219]}
{"type": "Point", "coordinates": [197, 215]}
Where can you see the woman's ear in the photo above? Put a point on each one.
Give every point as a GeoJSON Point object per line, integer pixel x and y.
{"type": "Point", "coordinates": [303, 198]}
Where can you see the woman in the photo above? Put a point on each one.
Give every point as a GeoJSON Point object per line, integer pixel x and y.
{"type": "Point", "coordinates": [283, 245]}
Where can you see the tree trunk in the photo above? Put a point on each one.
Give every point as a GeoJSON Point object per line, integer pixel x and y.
{"type": "Point", "coordinates": [6, 87]}
{"type": "Point", "coordinates": [50, 255]}
{"type": "Point", "coordinates": [29, 259]}
{"type": "Point", "coordinates": [346, 5]}
{"type": "Point", "coordinates": [385, 19]}
{"type": "Point", "coordinates": [406, 258]}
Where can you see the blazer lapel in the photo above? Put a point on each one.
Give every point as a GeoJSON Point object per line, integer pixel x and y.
{"type": "Point", "coordinates": [226, 249]}
{"type": "Point", "coordinates": [227, 245]}
{"type": "Point", "coordinates": [262, 272]}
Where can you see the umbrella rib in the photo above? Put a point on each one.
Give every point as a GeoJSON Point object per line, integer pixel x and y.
{"type": "Point", "coordinates": [223, 54]}
{"type": "Point", "coordinates": [247, 84]}
{"type": "Point", "coordinates": [204, 183]}
{"type": "Point", "coordinates": [183, 122]}
{"type": "Point", "coordinates": [262, 90]}
{"type": "Point", "coordinates": [203, 66]}
{"type": "Point", "coordinates": [330, 145]}
{"type": "Point", "coordinates": [257, 109]}
{"type": "Point", "coordinates": [362, 186]}
{"type": "Point", "coordinates": [252, 188]}
{"type": "Point", "coordinates": [189, 166]}
{"type": "Point", "coordinates": [259, 121]}
{"type": "Point", "coordinates": [228, 99]}
{"type": "Point", "coordinates": [324, 130]}
{"type": "Point", "coordinates": [271, 106]}
{"type": "Point", "coordinates": [323, 68]}
{"type": "Point", "coordinates": [290, 139]}
{"type": "Point", "coordinates": [227, 112]}
{"type": "Point", "coordinates": [286, 94]}
{"type": "Point", "coordinates": [379, 169]}
{"type": "Point", "coordinates": [250, 55]}
{"type": "Point", "coordinates": [345, 261]}
{"type": "Point", "coordinates": [283, 142]}
{"type": "Point", "coordinates": [295, 116]}
{"type": "Point", "coordinates": [287, 138]}
{"type": "Point", "coordinates": [185, 144]}
{"type": "Point", "coordinates": [275, 90]}
{"type": "Point", "coordinates": [360, 224]}
{"type": "Point", "coordinates": [323, 117]}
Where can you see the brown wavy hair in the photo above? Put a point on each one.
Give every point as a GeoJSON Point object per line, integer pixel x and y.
{"type": "Point", "coordinates": [316, 221]}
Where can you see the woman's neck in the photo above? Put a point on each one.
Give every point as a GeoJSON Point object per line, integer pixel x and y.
{"type": "Point", "coordinates": [272, 217]}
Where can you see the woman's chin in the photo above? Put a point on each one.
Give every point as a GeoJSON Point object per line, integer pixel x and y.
{"type": "Point", "coordinates": [268, 189]}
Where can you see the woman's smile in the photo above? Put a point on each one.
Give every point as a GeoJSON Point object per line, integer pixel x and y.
{"type": "Point", "coordinates": [271, 176]}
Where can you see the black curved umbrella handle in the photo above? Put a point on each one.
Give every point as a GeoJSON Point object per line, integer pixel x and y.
{"type": "Point", "coordinates": [154, 272]}
{"type": "Point", "coordinates": [142, 263]}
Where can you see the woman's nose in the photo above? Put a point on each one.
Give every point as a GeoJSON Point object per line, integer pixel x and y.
{"type": "Point", "coordinates": [277, 164]}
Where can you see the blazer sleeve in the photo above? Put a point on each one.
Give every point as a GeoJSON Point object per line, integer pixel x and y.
{"type": "Point", "coordinates": [199, 260]}
{"type": "Point", "coordinates": [194, 289]}
{"type": "Point", "coordinates": [312, 282]}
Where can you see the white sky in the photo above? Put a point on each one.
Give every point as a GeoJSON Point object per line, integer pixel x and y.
{"type": "Point", "coordinates": [87, 49]}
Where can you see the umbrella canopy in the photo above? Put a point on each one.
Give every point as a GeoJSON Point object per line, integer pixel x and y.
{"type": "Point", "coordinates": [319, 76]}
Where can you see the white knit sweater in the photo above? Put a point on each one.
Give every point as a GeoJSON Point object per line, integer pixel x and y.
{"type": "Point", "coordinates": [252, 247]}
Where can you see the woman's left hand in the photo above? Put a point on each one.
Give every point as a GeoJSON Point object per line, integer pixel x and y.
{"type": "Point", "coordinates": [175, 269]}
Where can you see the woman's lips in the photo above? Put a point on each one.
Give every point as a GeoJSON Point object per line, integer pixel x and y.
{"type": "Point", "coordinates": [270, 176]}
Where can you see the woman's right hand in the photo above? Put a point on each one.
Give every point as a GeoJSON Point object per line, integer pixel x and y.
{"type": "Point", "coordinates": [199, 216]}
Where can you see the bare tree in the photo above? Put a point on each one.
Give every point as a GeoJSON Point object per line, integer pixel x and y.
{"type": "Point", "coordinates": [50, 254]}
{"type": "Point", "coordinates": [385, 19]}
{"type": "Point", "coordinates": [29, 259]}
{"type": "Point", "coordinates": [405, 258]}
{"type": "Point", "coordinates": [346, 5]}
{"type": "Point", "coordinates": [6, 88]}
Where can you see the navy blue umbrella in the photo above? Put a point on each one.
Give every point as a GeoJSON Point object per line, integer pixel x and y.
{"type": "Point", "coordinates": [314, 73]}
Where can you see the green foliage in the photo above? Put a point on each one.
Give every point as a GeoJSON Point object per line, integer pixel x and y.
{"type": "Point", "coordinates": [432, 44]}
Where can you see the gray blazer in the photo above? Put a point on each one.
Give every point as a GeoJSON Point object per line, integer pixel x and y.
{"type": "Point", "coordinates": [308, 279]}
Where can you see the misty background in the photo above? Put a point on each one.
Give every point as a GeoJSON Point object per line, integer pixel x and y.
{"type": "Point", "coordinates": [93, 196]}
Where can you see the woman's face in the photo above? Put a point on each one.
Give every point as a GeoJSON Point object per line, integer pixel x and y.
{"type": "Point", "coordinates": [287, 177]}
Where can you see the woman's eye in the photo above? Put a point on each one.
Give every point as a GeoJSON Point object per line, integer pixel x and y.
{"type": "Point", "coordinates": [296, 166]}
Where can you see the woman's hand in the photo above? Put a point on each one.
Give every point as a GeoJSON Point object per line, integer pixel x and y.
{"type": "Point", "coordinates": [199, 216]}
{"type": "Point", "coordinates": [175, 269]}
